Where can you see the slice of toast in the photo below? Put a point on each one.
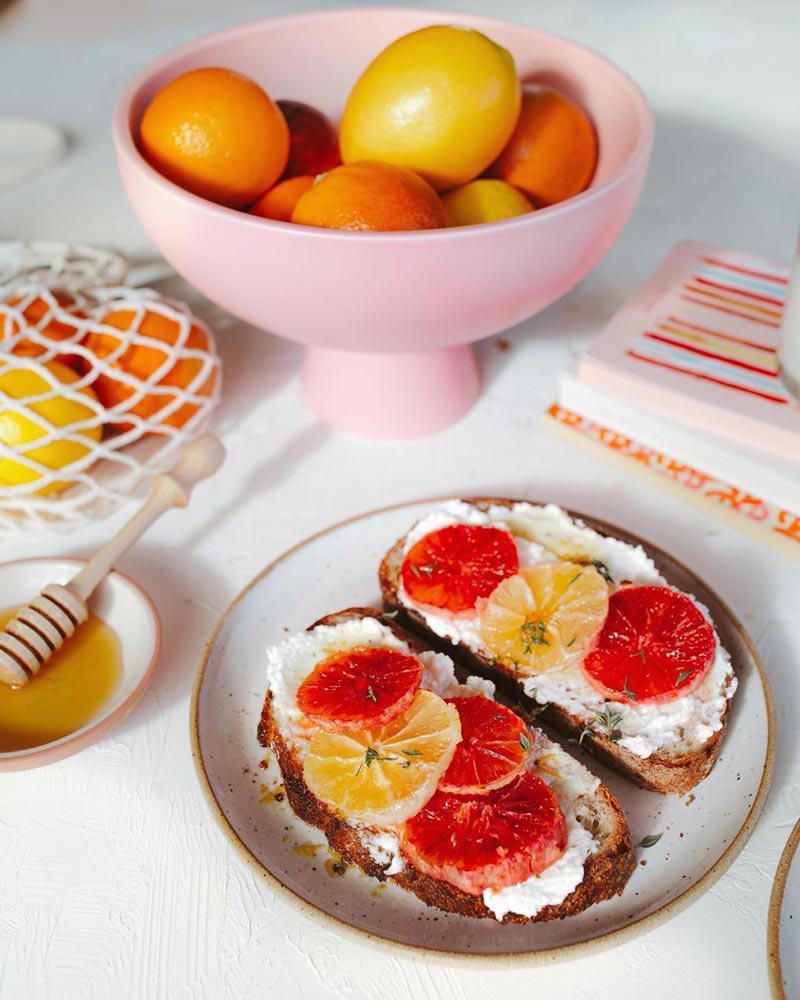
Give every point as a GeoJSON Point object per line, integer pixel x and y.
{"type": "Point", "coordinates": [606, 869]}
{"type": "Point", "coordinates": [672, 768]}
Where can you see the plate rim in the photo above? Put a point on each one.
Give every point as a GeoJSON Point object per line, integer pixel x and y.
{"type": "Point", "coordinates": [544, 956]}
{"type": "Point", "coordinates": [774, 913]}
{"type": "Point", "coordinates": [88, 735]}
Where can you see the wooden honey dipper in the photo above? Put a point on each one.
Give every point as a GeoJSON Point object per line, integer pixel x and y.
{"type": "Point", "coordinates": [41, 627]}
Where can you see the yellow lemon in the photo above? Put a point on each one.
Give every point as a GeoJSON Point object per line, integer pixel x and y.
{"type": "Point", "coordinates": [442, 101]}
{"type": "Point", "coordinates": [18, 430]}
{"type": "Point", "coordinates": [484, 201]}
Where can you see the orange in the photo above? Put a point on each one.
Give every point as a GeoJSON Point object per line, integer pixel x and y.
{"type": "Point", "coordinates": [217, 134]}
{"type": "Point", "coordinates": [545, 616]}
{"type": "Point", "coordinates": [552, 154]}
{"type": "Point", "coordinates": [278, 203]}
{"type": "Point", "coordinates": [34, 312]}
{"type": "Point", "coordinates": [442, 101]}
{"type": "Point", "coordinates": [387, 774]}
{"type": "Point", "coordinates": [370, 196]}
{"type": "Point", "coordinates": [139, 361]}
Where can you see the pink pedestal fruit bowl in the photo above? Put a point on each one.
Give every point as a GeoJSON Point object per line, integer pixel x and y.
{"type": "Point", "coordinates": [387, 318]}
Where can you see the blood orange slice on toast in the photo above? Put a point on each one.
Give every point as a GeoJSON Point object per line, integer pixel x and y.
{"type": "Point", "coordinates": [452, 568]}
{"type": "Point", "coordinates": [492, 750]}
{"type": "Point", "coordinates": [478, 842]}
{"type": "Point", "coordinates": [655, 645]}
{"type": "Point", "coordinates": [359, 688]}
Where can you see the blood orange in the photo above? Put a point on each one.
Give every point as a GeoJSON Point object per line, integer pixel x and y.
{"type": "Point", "coordinates": [359, 688]}
{"type": "Point", "coordinates": [478, 842]}
{"type": "Point", "coordinates": [492, 750]}
{"type": "Point", "coordinates": [452, 568]}
{"type": "Point", "coordinates": [655, 645]}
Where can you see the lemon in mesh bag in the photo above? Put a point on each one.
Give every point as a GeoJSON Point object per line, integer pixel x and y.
{"type": "Point", "coordinates": [60, 417]}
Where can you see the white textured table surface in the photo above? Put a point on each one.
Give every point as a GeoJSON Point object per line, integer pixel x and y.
{"type": "Point", "coordinates": [114, 879]}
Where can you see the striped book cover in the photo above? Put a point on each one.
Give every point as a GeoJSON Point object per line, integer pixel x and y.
{"type": "Point", "coordinates": [768, 521]}
{"type": "Point", "coordinates": [698, 342]}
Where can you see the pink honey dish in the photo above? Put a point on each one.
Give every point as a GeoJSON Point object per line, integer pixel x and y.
{"type": "Point", "coordinates": [387, 318]}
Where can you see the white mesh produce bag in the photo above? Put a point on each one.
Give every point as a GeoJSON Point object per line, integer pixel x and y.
{"type": "Point", "coordinates": [144, 376]}
{"type": "Point", "coordinates": [70, 266]}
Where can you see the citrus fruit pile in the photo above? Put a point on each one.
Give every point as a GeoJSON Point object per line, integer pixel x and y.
{"type": "Point", "coordinates": [437, 131]}
{"type": "Point", "coordinates": [76, 368]}
{"type": "Point", "coordinates": [635, 644]}
{"type": "Point", "coordinates": [449, 775]}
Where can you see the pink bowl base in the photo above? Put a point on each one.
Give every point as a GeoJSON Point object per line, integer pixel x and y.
{"type": "Point", "coordinates": [402, 395]}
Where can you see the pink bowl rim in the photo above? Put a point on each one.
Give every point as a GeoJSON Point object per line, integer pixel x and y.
{"type": "Point", "coordinates": [72, 743]}
{"type": "Point", "coordinates": [127, 149]}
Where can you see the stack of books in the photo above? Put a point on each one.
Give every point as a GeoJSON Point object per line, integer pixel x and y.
{"type": "Point", "coordinates": [682, 386]}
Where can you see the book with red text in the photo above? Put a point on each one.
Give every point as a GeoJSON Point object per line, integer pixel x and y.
{"type": "Point", "coordinates": [740, 507]}
{"type": "Point", "coordinates": [697, 345]}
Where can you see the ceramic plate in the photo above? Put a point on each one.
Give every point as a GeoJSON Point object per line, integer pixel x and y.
{"type": "Point", "coordinates": [701, 833]}
{"type": "Point", "coordinates": [120, 603]}
{"type": "Point", "coordinates": [783, 929]}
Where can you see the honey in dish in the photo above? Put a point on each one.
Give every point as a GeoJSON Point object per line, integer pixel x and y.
{"type": "Point", "coordinates": [71, 687]}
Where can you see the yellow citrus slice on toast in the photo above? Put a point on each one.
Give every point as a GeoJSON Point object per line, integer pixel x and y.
{"type": "Point", "coordinates": [544, 616]}
{"type": "Point", "coordinates": [386, 774]}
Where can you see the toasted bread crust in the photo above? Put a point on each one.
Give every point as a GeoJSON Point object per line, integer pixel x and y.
{"type": "Point", "coordinates": [660, 772]}
{"type": "Point", "coordinates": [605, 873]}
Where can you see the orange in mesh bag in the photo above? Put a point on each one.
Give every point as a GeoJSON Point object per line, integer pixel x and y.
{"type": "Point", "coordinates": [152, 356]}
{"type": "Point", "coordinates": [45, 317]}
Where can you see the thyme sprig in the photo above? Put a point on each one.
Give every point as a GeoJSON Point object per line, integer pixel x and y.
{"type": "Point", "coordinates": [609, 720]}
{"type": "Point", "coordinates": [602, 569]}
{"type": "Point", "coordinates": [413, 752]}
{"type": "Point", "coordinates": [533, 634]}
{"type": "Point", "coordinates": [370, 757]}
{"type": "Point", "coordinates": [529, 714]}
